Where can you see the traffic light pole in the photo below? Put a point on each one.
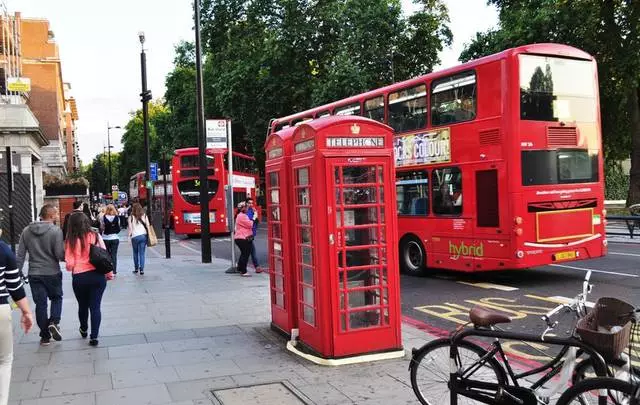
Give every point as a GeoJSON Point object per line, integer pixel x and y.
{"type": "Point", "coordinates": [202, 144]}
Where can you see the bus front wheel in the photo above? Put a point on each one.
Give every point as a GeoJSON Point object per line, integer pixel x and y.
{"type": "Point", "coordinates": [413, 257]}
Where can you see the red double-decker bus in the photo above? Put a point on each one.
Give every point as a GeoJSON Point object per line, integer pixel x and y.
{"type": "Point", "coordinates": [499, 160]}
{"type": "Point", "coordinates": [185, 170]}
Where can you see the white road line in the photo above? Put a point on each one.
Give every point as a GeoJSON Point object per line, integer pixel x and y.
{"type": "Point", "coordinates": [490, 286]}
{"type": "Point", "coordinates": [615, 273]}
{"type": "Point", "coordinates": [153, 250]}
{"type": "Point", "coordinates": [624, 254]}
{"type": "Point", "coordinates": [182, 245]}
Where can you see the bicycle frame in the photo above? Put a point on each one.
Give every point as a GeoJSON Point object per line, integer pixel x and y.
{"type": "Point", "coordinates": [460, 384]}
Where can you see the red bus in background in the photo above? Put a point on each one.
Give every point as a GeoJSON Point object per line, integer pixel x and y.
{"type": "Point", "coordinates": [499, 161]}
{"type": "Point", "coordinates": [138, 192]}
{"type": "Point", "coordinates": [186, 188]}
{"type": "Point", "coordinates": [137, 189]}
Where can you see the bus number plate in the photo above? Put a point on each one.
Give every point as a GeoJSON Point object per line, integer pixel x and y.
{"type": "Point", "coordinates": [565, 255]}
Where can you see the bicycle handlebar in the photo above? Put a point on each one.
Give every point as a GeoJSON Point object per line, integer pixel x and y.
{"type": "Point", "coordinates": [547, 317]}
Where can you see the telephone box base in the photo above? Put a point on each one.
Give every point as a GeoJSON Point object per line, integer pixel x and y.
{"type": "Point", "coordinates": [301, 350]}
{"type": "Point", "coordinates": [280, 331]}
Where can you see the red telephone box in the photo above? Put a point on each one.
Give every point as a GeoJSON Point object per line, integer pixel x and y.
{"type": "Point", "coordinates": [344, 227]}
{"type": "Point", "coordinates": [280, 237]}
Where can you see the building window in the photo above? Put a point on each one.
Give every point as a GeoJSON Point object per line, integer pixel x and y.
{"type": "Point", "coordinates": [408, 109]}
{"type": "Point", "coordinates": [446, 191]}
{"type": "Point", "coordinates": [412, 191]}
{"type": "Point", "coordinates": [453, 99]}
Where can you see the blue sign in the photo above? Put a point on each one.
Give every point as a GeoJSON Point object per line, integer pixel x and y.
{"type": "Point", "coordinates": [122, 196]}
{"type": "Point", "coordinates": [153, 172]}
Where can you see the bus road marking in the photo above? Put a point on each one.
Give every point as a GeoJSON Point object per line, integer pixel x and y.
{"type": "Point", "coordinates": [615, 273]}
{"type": "Point", "coordinates": [489, 286]}
{"type": "Point", "coordinates": [623, 254]}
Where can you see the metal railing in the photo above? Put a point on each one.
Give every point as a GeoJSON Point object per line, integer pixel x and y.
{"type": "Point", "coordinates": [632, 221]}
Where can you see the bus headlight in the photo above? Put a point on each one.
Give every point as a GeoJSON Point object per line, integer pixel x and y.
{"type": "Point", "coordinates": [519, 254]}
{"type": "Point", "coordinates": [518, 231]}
{"type": "Point", "coordinates": [518, 220]}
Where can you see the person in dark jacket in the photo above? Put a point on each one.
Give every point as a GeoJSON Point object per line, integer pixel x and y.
{"type": "Point", "coordinates": [110, 228]}
{"type": "Point", "coordinates": [77, 206]}
{"type": "Point", "coordinates": [43, 242]}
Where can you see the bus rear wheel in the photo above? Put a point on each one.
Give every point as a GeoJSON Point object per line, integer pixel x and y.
{"type": "Point", "coordinates": [413, 257]}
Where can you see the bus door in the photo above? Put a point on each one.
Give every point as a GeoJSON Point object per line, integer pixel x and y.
{"type": "Point", "coordinates": [452, 238]}
{"type": "Point", "coordinates": [491, 225]}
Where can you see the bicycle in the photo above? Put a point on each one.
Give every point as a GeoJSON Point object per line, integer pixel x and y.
{"type": "Point", "coordinates": [604, 390]}
{"type": "Point", "coordinates": [464, 359]}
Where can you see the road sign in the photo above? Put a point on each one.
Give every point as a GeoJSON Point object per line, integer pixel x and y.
{"type": "Point", "coordinates": [216, 134]}
{"type": "Point", "coordinates": [153, 171]}
{"type": "Point", "coordinates": [20, 84]}
{"type": "Point", "coordinates": [114, 187]}
{"type": "Point", "coordinates": [122, 196]}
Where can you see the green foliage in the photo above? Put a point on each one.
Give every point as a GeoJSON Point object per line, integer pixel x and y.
{"type": "Point", "coordinates": [616, 182]}
{"type": "Point", "coordinates": [608, 30]}
{"type": "Point", "coordinates": [98, 172]}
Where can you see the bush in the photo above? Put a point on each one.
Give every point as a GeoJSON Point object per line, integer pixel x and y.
{"type": "Point", "coordinates": [616, 182]}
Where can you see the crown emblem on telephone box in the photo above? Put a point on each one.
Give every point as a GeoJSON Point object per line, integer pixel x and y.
{"type": "Point", "coordinates": [355, 129]}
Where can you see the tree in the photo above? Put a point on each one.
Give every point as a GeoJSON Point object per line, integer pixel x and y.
{"type": "Point", "coordinates": [608, 30]}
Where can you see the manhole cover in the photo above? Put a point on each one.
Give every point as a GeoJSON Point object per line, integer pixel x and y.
{"type": "Point", "coordinates": [280, 393]}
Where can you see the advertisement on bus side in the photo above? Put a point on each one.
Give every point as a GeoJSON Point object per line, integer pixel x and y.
{"type": "Point", "coordinates": [423, 148]}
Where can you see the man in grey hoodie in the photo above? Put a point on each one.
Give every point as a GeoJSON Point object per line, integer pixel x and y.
{"type": "Point", "coordinates": [44, 243]}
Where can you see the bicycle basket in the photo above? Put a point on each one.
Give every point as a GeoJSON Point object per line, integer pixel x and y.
{"type": "Point", "coordinates": [607, 313]}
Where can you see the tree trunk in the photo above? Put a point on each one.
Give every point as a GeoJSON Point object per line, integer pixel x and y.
{"type": "Point", "coordinates": [634, 174]}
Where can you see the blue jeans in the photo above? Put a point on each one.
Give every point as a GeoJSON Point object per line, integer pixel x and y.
{"type": "Point", "coordinates": [88, 288]}
{"type": "Point", "coordinates": [43, 288]}
{"type": "Point", "coordinates": [139, 244]}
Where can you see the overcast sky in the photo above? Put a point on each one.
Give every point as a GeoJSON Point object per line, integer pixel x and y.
{"type": "Point", "coordinates": [100, 52]}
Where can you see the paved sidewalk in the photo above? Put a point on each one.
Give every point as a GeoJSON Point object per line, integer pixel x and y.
{"type": "Point", "coordinates": [181, 331]}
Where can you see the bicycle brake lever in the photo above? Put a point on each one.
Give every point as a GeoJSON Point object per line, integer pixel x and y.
{"type": "Point", "coordinates": [549, 329]}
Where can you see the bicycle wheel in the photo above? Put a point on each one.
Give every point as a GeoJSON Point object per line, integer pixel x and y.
{"type": "Point", "coordinates": [430, 370]}
{"type": "Point", "coordinates": [600, 391]}
{"type": "Point", "coordinates": [584, 370]}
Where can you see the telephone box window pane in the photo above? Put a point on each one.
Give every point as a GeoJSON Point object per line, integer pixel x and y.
{"type": "Point", "coordinates": [361, 237]}
{"type": "Point", "coordinates": [276, 231]}
{"type": "Point", "coordinates": [305, 216]}
{"type": "Point", "coordinates": [343, 322]}
{"type": "Point", "coordinates": [364, 298]}
{"type": "Point", "coordinates": [386, 316]}
{"type": "Point", "coordinates": [274, 179]}
{"type": "Point", "coordinates": [280, 299]}
{"type": "Point", "coordinates": [361, 216]}
{"type": "Point", "coordinates": [277, 248]}
{"type": "Point", "coordinates": [307, 275]}
{"type": "Point", "coordinates": [362, 257]}
{"type": "Point", "coordinates": [277, 264]}
{"type": "Point", "coordinates": [364, 319]}
{"type": "Point", "coordinates": [305, 235]}
{"type": "Point", "coordinates": [308, 315]}
{"type": "Point", "coordinates": [360, 195]}
{"type": "Point", "coordinates": [380, 175]}
{"type": "Point", "coordinates": [364, 278]}
{"type": "Point", "coordinates": [275, 213]}
{"type": "Point", "coordinates": [303, 177]}
{"type": "Point", "coordinates": [279, 283]}
{"type": "Point", "coordinates": [307, 255]}
{"type": "Point", "coordinates": [337, 175]}
{"type": "Point", "coordinates": [359, 174]}
{"type": "Point", "coordinates": [275, 196]}
{"type": "Point", "coordinates": [341, 259]}
{"type": "Point", "coordinates": [339, 218]}
{"type": "Point", "coordinates": [303, 196]}
{"type": "Point", "coordinates": [307, 295]}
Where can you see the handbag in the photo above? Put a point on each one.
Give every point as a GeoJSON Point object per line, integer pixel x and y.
{"type": "Point", "coordinates": [152, 239]}
{"type": "Point", "coordinates": [100, 258]}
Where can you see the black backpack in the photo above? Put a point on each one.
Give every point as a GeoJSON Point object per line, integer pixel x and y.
{"type": "Point", "coordinates": [111, 227]}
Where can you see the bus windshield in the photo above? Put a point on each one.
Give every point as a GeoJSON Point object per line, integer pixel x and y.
{"type": "Point", "coordinates": [557, 89]}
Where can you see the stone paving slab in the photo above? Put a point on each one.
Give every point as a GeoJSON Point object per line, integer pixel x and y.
{"type": "Point", "coordinates": [183, 331]}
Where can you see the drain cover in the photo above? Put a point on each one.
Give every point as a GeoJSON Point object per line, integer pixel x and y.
{"type": "Point", "coordinates": [263, 394]}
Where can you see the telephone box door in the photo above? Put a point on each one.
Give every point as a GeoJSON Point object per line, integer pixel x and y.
{"type": "Point", "coordinates": [365, 280]}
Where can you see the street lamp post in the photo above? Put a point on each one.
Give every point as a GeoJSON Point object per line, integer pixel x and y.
{"type": "Point", "coordinates": [145, 97]}
{"type": "Point", "coordinates": [109, 154]}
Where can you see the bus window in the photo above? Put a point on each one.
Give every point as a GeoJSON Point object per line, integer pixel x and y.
{"type": "Point", "coordinates": [412, 191]}
{"type": "Point", "coordinates": [194, 161]}
{"type": "Point", "coordinates": [408, 109]}
{"type": "Point", "coordinates": [324, 114]}
{"type": "Point", "coordinates": [453, 99]}
{"type": "Point", "coordinates": [350, 109]}
{"type": "Point", "coordinates": [374, 108]}
{"type": "Point", "coordinates": [446, 191]}
{"type": "Point", "coordinates": [299, 121]}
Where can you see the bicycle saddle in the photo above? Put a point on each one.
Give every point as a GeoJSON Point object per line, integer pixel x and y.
{"type": "Point", "coordinates": [484, 318]}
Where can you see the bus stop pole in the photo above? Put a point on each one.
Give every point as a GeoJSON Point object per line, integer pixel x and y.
{"type": "Point", "coordinates": [231, 204]}
{"type": "Point", "coordinates": [167, 218]}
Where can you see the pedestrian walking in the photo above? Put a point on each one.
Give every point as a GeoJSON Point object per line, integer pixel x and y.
{"type": "Point", "coordinates": [88, 284]}
{"type": "Point", "coordinates": [138, 233]}
{"type": "Point", "coordinates": [252, 213]}
{"type": "Point", "coordinates": [243, 237]}
{"type": "Point", "coordinates": [77, 207]}
{"type": "Point", "coordinates": [110, 228]}
{"type": "Point", "coordinates": [11, 285]}
{"type": "Point", "coordinates": [122, 214]}
{"type": "Point", "coordinates": [43, 243]}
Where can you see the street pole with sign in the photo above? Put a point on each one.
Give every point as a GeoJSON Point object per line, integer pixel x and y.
{"type": "Point", "coordinates": [202, 143]}
{"type": "Point", "coordinates": [145, 97]}
{"type": "Point", "coordinates": [167, 219]}
{"type": "Point", "coordinates": [12, 236]}
{"type": "Point", "coordinates": [230, 199]}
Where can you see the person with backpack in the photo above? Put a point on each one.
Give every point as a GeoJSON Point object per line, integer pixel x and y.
{"type": "Point", "coordinates": [43, 242]}
{"type": "Point", "coordinates": [110, 228]}
{"type": "Point", "coordinates": [88, 284]}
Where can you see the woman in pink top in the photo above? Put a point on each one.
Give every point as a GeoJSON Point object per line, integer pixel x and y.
{"type": "Point", "coordinates": [88, 284]}
{"type": "Point", "coordinates": [243, 237]}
